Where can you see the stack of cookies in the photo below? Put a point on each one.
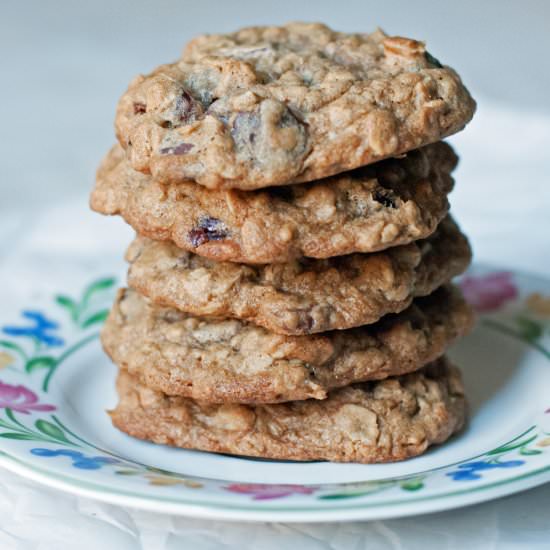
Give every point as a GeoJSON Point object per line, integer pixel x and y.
{"type": "Point", "coordinates": [288, 292]}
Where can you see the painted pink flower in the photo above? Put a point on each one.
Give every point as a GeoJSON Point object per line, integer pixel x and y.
{"type": "Point", "coordinates": [260, 491]}
{"type": "Point", "coordinates": [489, 292]}
{"type": "Point", "coordinates": [20, 399]}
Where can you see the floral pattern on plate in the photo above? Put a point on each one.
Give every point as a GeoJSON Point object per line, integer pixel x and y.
{"type": "Point", "coordinates": [35, 348]}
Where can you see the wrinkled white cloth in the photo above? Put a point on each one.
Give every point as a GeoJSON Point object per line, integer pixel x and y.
{"type": "Point", "coordinates": [35, 518]}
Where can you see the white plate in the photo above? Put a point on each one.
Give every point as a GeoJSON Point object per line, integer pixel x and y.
{"type": "Point", "coordinates": [56, 384]}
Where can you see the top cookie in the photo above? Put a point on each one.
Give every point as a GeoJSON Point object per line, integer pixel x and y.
{"type": "Point", "coordinates": [276, 105]}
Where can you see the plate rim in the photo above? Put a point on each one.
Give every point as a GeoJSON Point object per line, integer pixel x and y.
{"type": "Point", "coordinates": [285, 510]}
{"type": "Point", "coordinates": [242, 512]}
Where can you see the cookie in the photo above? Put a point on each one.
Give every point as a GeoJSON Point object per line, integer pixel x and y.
{"type": "Point", "coordinates": [303, 296]}
{"type": "Point", "coordinates": [382, 421]}
{"type": "Point", "coordinates": [387, 204]}
{"type": "Point", "coordinates": [271, 106]}
{"type": "Point", "coordinates": [234, 361]}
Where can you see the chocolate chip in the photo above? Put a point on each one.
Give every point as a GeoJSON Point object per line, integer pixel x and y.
{"type": "Point", "coordinates": [255, 132]}
{"type": "Point", "coordinates": [139, 108]}
{"type": "Point", "coordinates": [186, 107]}
{"type": "Point", "coordinates": [245, 127]}
{"type": "Point", "coordinates": [384, 199]}
{"type": "Point", "coordinates": [197, 237]}
{"type": "Point", "coordinates": [305, 322]}
{"type": "Point", "coordinates": [210, 224]}
{"type": "Point", "coordinates": [208, 229]}
{"type": "Point", "coordinates": [180, 149]}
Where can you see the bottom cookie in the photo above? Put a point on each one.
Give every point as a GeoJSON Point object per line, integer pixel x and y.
{"type": "Point", "coordinates": [388, 420]}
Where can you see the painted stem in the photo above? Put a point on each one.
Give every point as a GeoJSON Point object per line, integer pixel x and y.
{"type": "Point", "coordinates": [11, 416]}
{"type": "Point", "coordinates": [18, 427]}
{"type": "Point", "coordinates": [92, 446]}
{"type": "Point", "coordinates": [500, 327]}
{"type": "Point", "coordinates": [77, 437]}
{"type": "Point", "coordinates": [67, 353]}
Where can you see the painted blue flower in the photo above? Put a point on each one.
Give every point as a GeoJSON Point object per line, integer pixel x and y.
{"type": "Point", "coordinates": [469, 470]}
{"type": "Point", "coordinates": [40, 329]}
{"type": "Point", "coordinates": [79, 459]}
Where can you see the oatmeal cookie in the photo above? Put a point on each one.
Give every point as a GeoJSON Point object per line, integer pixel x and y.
{"type": "Point", "coordinates": [271, 106]}
{"type": "Point", "coordinates": [302, 296]}
{"type": "Point", "coordinates": [388, 420]}
{"type": "Point", "coordinates": [233, 361]}
{"type": "Point", "coordinates": [393, 202]}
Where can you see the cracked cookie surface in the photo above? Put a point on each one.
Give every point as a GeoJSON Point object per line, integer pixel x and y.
{"type": "Point", "coordinates": [270, 106]}
{"type": "Point", "coordinates": [382, 421]}
{"type": "Point", "coordinates": [234, 361]}
{"type": "Point", "coordinates": [302, 296]}
{"type": "Point", "coordinates": [391, 203]}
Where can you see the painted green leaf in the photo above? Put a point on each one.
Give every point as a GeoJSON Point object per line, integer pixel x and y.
{"type": "Point", "coordinates": [364, 489]}
{"type": "Point", "coordinates": [97, 286]}
{"type": "Point", "coordinates": [160, 471]}
{"type": "Point", "coordinates": [127, 472]}
{"type": "Point", "coordinates": [412, 485]}
{"type": "Point", "coordinates": [11, 416]}
{"type": "Point", "coordinates": [529, 329]}
{"type": "Point", "coordinates": [69, 304]}
{"type": "Point", "coordinates": [40, 362]}
{"type": "Point", "coordinates": [10, 345]}
{"type": "Point", "coordinates": [20, 436]}
{"type": "Point", "coordinates": [51, 430]}
{"type": "Point", "coordinates": [96, 318]}
{"type": "Point", "coordinates": [341, 496]}
{"type": "Point", "coordinates": [529, 452]}
{"type": "Point", "coordinates": [511, 447]}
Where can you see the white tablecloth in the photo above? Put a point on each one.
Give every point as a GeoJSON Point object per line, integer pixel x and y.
{"type": "Point", "coordinates": [33, 518]}
{"type": "Point", "coordinates": [64, 74]}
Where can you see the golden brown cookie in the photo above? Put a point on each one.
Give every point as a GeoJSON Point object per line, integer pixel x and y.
{"type": "Point", "coordinates": [393, 202]}
{"type": "Point", "coordinates": [382, 421]}
{"type": "Point", "coordinates": [302, 296]}
{"type": "Point", "coordinates": [270, 106]}
{"type": "Point", "coordinates": [234, 361]}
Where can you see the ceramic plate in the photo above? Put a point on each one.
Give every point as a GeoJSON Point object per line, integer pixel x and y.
{"type": "Point", "coordinates": [56, 384]}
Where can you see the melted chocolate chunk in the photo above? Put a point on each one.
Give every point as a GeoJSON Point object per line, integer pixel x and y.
{"type": "Point", "coordinates": [208, 229]}
{"type": "Point", "coordinates": [140, 108]}
{"type": "Point", "coordinates": [245, 127]}
{"type": "Point", "coordinates": [180, 149]}
{"type": "Point", "coordinates": [187, 109]}
{"type": "Point", "coordinates": [305, 322]}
